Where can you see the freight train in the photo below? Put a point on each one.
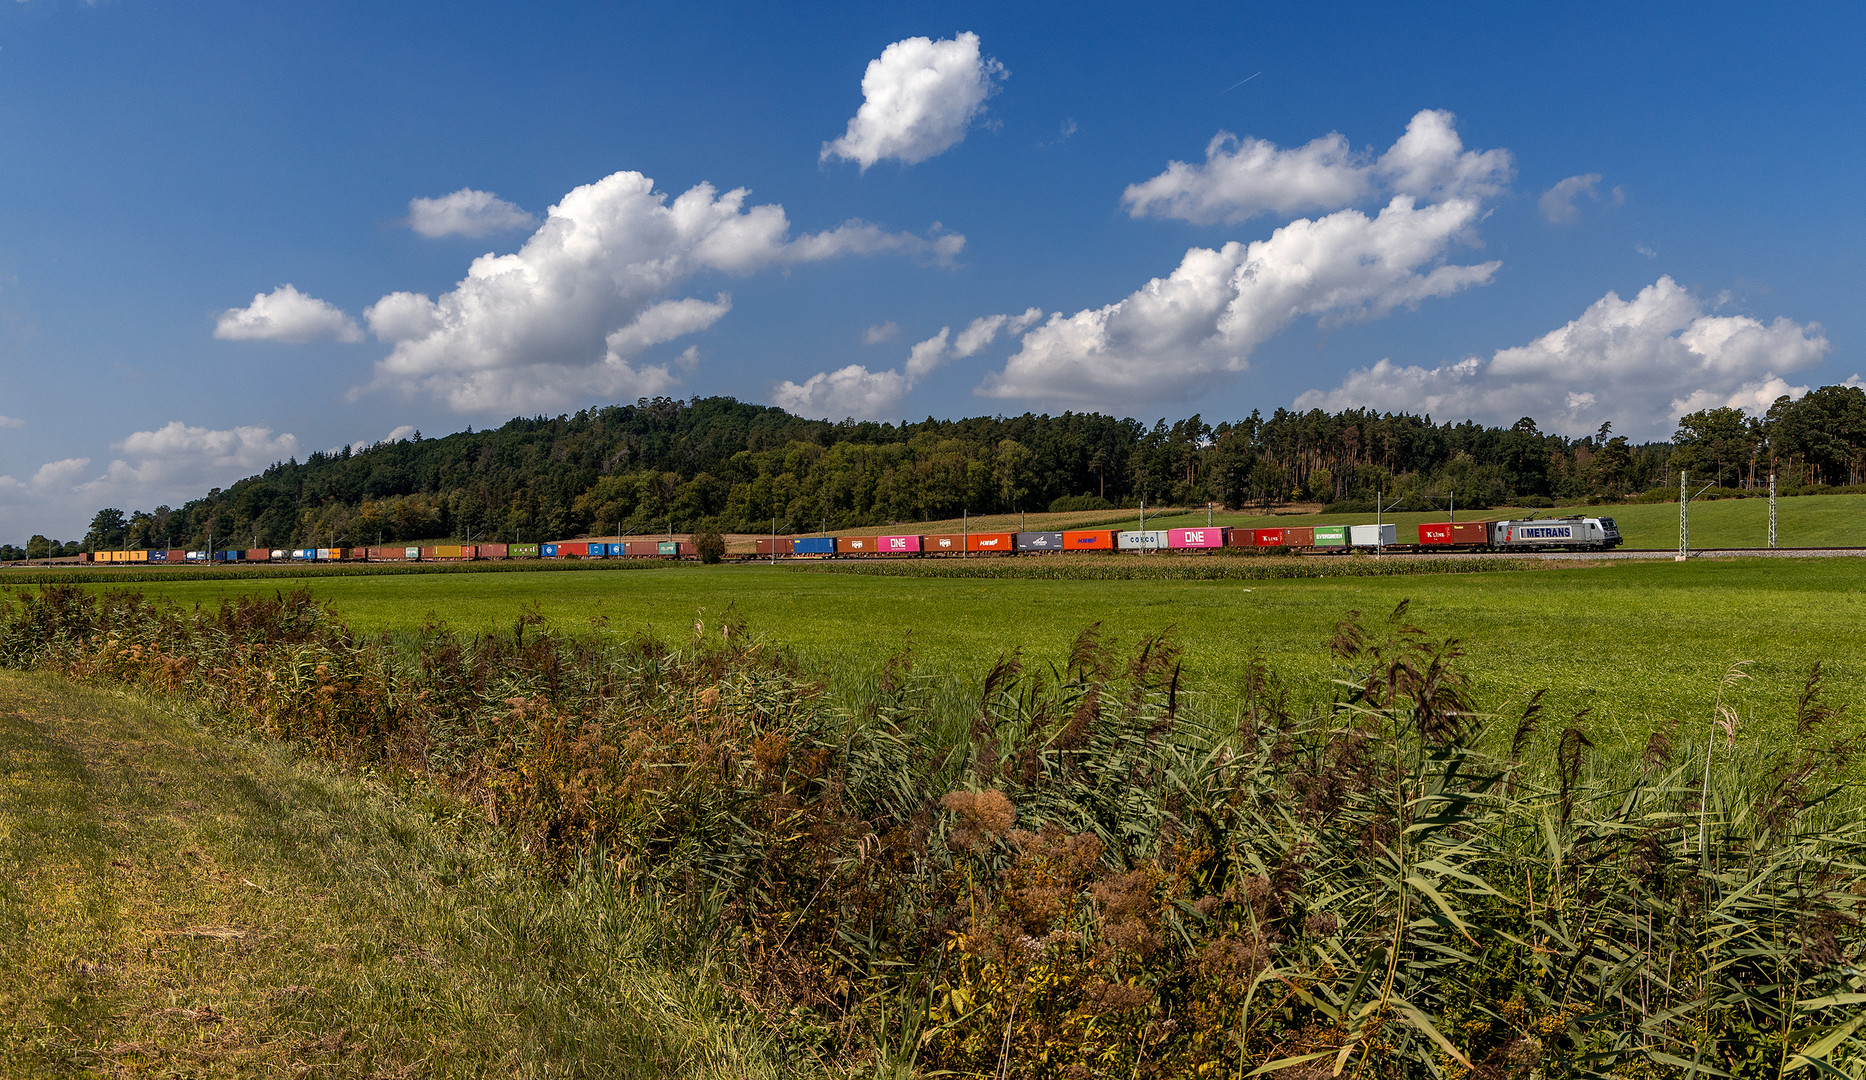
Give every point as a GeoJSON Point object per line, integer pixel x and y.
{"type": "Point", "coordinates": [1530, 534]}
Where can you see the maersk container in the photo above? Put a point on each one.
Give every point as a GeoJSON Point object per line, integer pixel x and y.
{"type": "Point", "coordinates": [1141, 540]}
{"type": "Point", "coordinates": [1331, 536]}
{"type": "Point", "coordinates": [898, 545]}
{"type": "Point", "coordinates": [1039, 541]}
{"type": "Point", "coordinates": [547, 551]}
{"type": "Point", "coordinates": [1372, 535]}
{"type": "Point", "coordinates": [855, 545]}
{"type": "Point", "coordinates": [991, 542]}
{"type": "Point", "coordinates": [1188, 539]}
{"type": "Point", "coordinates": [814, 545]}
{"type": "Point", "coordinates": [1088, 540]}
{"type": "Point", "coordinates": [943, 543]}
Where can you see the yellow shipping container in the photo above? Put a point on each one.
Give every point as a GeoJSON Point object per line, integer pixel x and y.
{"type": "Point", "coordinates": [447, 551]}
{"type": "Point", "coordinates": [139, 556]}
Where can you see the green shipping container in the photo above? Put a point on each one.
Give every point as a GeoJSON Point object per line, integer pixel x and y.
{"type": "Point", "coordinates": [1331, 536]}
{"type": "Point", "coordinates": [522, 551]}
{"type": "Point", "coordinates": [669, 547]}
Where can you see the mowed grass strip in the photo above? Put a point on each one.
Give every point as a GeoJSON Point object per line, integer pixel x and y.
{"type": "Point", "coordinates": [1634, 642]}
{"type": "Point", "coordinates": [173, 903]}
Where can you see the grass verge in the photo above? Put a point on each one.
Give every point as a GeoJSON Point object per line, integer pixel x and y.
{"type": "Point", "coordinates": [177, 904]}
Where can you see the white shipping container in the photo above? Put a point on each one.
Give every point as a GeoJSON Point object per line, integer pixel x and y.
{"type": "Point", "coordinates": [1371, 535]}
{"type": "Point", "coordinates": [1141, 540]}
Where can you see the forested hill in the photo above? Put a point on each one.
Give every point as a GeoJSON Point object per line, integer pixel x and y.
{"type": "Point", "coordinates": [720, 463]}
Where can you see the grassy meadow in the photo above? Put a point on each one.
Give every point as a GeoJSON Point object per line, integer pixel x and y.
{"type": "Point", "coordinates": [1635, 642]}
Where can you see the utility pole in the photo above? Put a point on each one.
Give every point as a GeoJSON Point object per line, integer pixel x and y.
{"type": "Point", "coordinates": [1208, 514]}
{"type": "Point", "coordinates": [965, 531]}
{"type": "Point", "coordinates": [1684, 520]}
{"type": "Point", "coordinates": [1379, 531]}
{"type": "Point", "coordinates": [1771, 511]}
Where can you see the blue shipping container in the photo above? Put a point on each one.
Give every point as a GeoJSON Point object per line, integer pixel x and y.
{"type": "Point", "coordinates": [615, 550]}
{"type": "Point", "coordinates": [158, 556]}
{"type": "Point", "coordinates": [548, 551]}
{"type": "Point", "coordinates": [815, 545]}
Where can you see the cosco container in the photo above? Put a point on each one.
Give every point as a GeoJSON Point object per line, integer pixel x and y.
{"type": "Point", "coordinates": [1089, 540]}
{"type": "Point", "coordinates": [897, 545]}
{"type": "Point", "coordinates": [615, 550]}
{"type": "Point", "coordinates": [1141, 540]}
{"type": "Point", "coordinates": [1039, 541]}
{"type": "Point", "coordinates": [547, 551]}
{"type": "Point", "coordinates": [1186, 539]}
{"type": "Point", "coordinates": [855, 545]}
{"type": "Point", "coordinates": [1331, 536]}
{"type": "Point", "coordinates": [943, 544]}
{"type": "Point", "coordinates": [1372, 535]}
{"type": "Point", "coordinates": [814, 545]}
{"type": "Point", "coordinates": [990, 542]}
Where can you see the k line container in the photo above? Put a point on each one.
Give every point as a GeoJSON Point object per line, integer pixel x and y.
{"type": "Point", "coordinates": [1141, 540]}
{"type": "Point", "coordinates": [943, 543]}
{"type": "Point", "coordinates": [1454, 532]}
{"type": "Point", "coordinates": [991, 542]}
{"type": "Point", "coordinates": [855, 545]}
{"type": "Point", "coordinates": [1267, 537]}
{"type": "Point", "coordinates": [1331, 536]}
{"type": "Point", "coordinates": [1089, 540]}
{"type": "Point", "coordinates": [1189, 539]}
{"type": "Point", "coordinates": [1372, 535]}
{"type": "Point", "coordinates": [1039, 541]}
{"type": "Point", "coordinates": [813, 545]}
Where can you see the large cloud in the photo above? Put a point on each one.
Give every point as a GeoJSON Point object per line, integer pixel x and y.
{"type": "Point", "coordinates": [1242, 178]}
{"type": "Point", "coordinates": [854, 391]}
{"type": "Point", "coordinates": [285, 314]}
{"type": "Point", "coordinates": [567, 316]}
{"type": "Point", "coordinates": [1179, 335]}
{"type": "Point", "coordinates": [1640, 363]}
{"type": "Point", "coordinates": [919, 97]}
{"type": "Point", "coordinates": [170, 464]}
{"type": "Point", "coordinates": [465, 213]}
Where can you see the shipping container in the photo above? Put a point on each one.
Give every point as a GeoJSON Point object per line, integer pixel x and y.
{"type": "Point", "coordinates": [1140, 540]}
{"type": "Point", "coordinates": [547, 551]}
{"type": "Point", "coordinates": [1302, 536]}
{"type": "Point", "coordinates": [1187, 539]}
{"type": "Point", "coordinates": [1372, 535]}
{"type": "Point", "coordinates": [855, 545]}
{"type": "Point", "coordinates": [569, 549]}
{"type": "Point", "coordinates": [813, 545]}
{"type": "Point", "coordinates": [158, 555]}
{"type": "Point", "coordinates": [618, 549]}
{"type": "Point", "coordinates": [1089, 540]}
{"type": "Point", "coordinates": [773, 545]}
{"type": "Point", "coordinates": [139, 555]}
{"type": "Point", "coordinates": [991, 542]}
{"type": "Point", "coordinates": [1455, 532]}
{"type": "Point", "coordinates": [1039, 541]}
{"type": "Point", "coordinates": [523, 551]}
{"type": "Point", "coordinates": [324, 555]}
{"type": "Point", "coordinates": [675, 548]}
{"type": "Point", "coordinates": [176, 555]}
{"type": "Point", "coordinates": [641, 549]}
{"type": "Point", "coordinates": [495, 551]}
{"type": "Point", "coordinates": [1331, 536]}
{"type": "Point", "coordinates": [1267, 537]}
{"type": "Point", "coordinates": [259, 555]}
{"type": "Point", "coordinates": [943, 543]}
{"type": "Point", "coordinates": [897, 545]}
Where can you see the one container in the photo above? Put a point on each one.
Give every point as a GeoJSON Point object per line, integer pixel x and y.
{"type": "Point", "coordinates": [1089, 540]}
{"type": "Point", "coordinates": [943, 544]}
{"type": "Point", "coordinates": [773, 546]}
{"type": "Point", "coordinates": [641, 549]}
{"type": "Point", "coordinates": [1301, 536]}
{"type": "Point", "coordinates": [1331, 536]}
{"type": "Point", "coordinates": [897, 545]}
{"type": "Point", "coordinates": [1140, 540]}
{"type": "Point", "coordinates": [991, 542]}
{"type": "Point", "coordinates": [670, 547]}
{"type": "Point", "coordinates": [1191, 539]}
{"type": "Point", "coordinates": [855, 545]}
{"type": "Point", "coordinates": [813, 545]}
{"type": "Point", "coordinates": [1039, 541]}
{"type": "Point", "coordinates": [1372, 535]}
{"type": "Point", "coordinates": [523, 551]}
{"type": "Point", "coordinates": [547, 551]}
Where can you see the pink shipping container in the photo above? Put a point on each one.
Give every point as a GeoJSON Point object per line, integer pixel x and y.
{"type": "Point", "coordinates": [1195, 538]}
{"type": "Point", "coordinates": [888, 544]}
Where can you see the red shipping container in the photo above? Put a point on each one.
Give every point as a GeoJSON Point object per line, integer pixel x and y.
{"type": "Point", "coordinates": [1241, 538]}
{"type": "Point", "coordinates": [176, 555]}
{"type": "Point", "coordinates": [1269, 537]}
{"type": "Point", "coordinates": [492, 551]}
{"type": "Point", "coordinates": [256, 554]}
{"type": "Point", "coordinates": [427, 553]}
{"type": "Point", "coordinates": [1300, 536]}
{"type": "Point", "coordinates": [855, 545]}
{"type": "Point", "coordinates": [579, 548]}
{"type": "Point", "coordinates": [991, 542]}
{"type": "Point", "coordinates": [768, 546]}
{"type": "Point", "coordinates": [636, 549]}
{"type": "Point", "coordinates": [1089, 540]}
{"type": "Point", "coordinates": [944, 543]}
{"type": "Point", "coordinates": [1455, 532]}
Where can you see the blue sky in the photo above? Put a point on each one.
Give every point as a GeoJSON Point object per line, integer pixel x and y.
{"type": "Point", "coordinates": [1581, 213]}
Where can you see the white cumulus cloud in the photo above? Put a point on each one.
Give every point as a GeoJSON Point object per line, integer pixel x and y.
{"type": "Point", "coordinates": [881, 332]}
{"type": "Point", "coordinates": [1640, 363]}
{"type": "Point", "coordinates": [465, 213]}
{"type": "Point", "coordinates": [11, 421]}
{"type": "Point", "coordinates": [918, 99]}
{"type": "Point", "coordinates": [285, 314]}
{"type": "Point", "coordinates": [568, 315]}
{"type": "Point", "coordinates": [1558, 202]}
{"type": "Point", "coordinates": [1180, 335]}
{"type": "Point", "coordinates": [855, 391]}
{"type": "Point", "coordinates": [1242, 178]}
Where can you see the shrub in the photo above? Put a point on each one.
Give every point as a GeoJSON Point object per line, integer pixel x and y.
{"type": "Point", "coordinates": [710, 546]}
{"type": "Point", "coordinates": [1076, 503]}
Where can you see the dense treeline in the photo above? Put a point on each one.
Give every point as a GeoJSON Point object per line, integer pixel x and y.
{"type": "Point", "coordinates": [715, 463]}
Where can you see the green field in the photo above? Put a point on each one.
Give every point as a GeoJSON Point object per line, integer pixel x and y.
{"type": "Point", "coordinates": [1635, 642]}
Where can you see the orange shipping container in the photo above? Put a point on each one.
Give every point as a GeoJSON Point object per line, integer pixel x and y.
{"type": "Point", "coordinates": [991, 542]}
{"type": "Point", "coordinates": [1088, 540]}
{"type": "Point", "coordinates": [1299, 536]}
{"type": "Point", "coordinates": [943, 544]}
{"type": "Point", "coordinates": [855, 545]}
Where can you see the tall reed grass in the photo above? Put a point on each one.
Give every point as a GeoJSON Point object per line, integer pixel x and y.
{"type": "Point", "coordinates": [1073, 874]}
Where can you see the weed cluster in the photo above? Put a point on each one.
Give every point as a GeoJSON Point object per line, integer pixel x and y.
{"type": "Point", "coordinates": [1084, 878]}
